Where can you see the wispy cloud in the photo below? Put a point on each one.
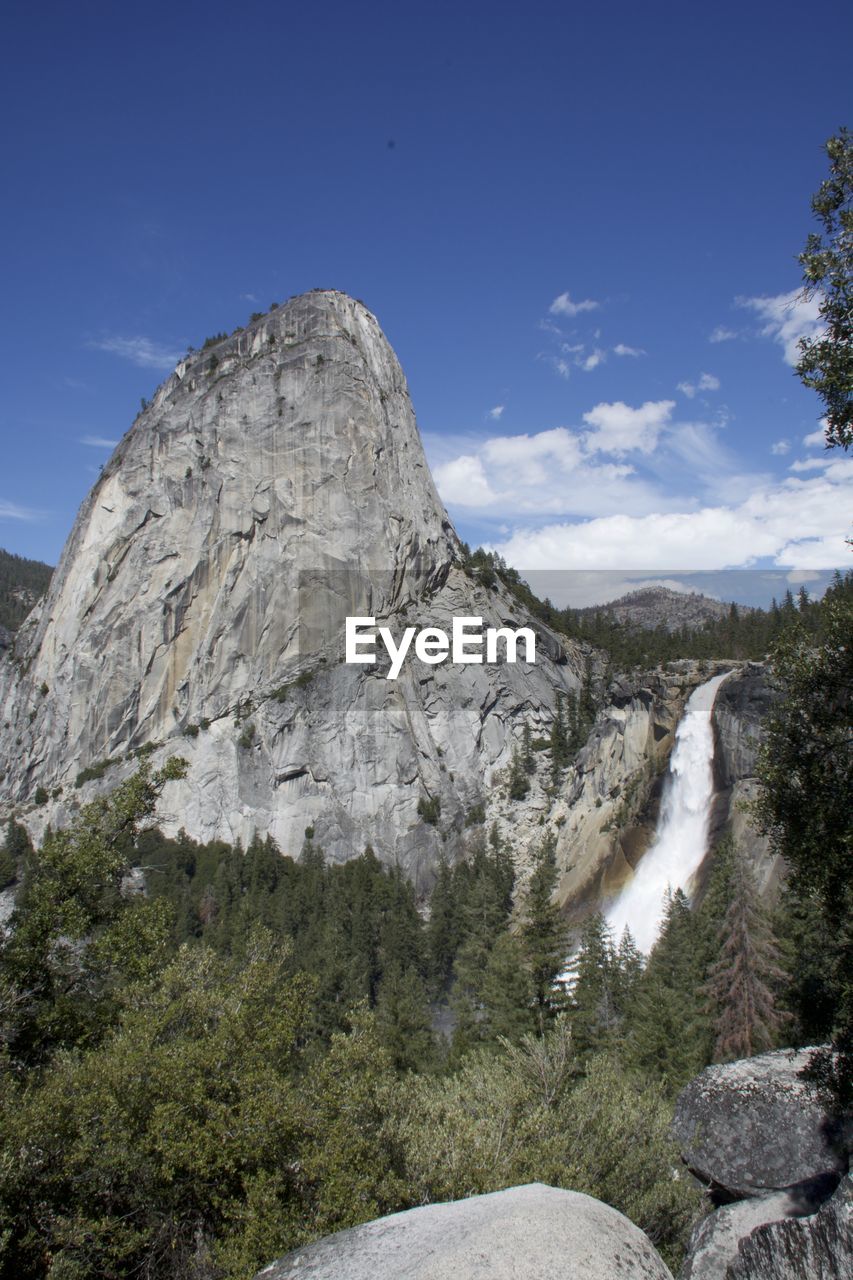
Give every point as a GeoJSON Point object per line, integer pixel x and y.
{"type": "Point", "coordinates": [13, 511]}
{"type": "Point", "coordinates": [496, 412]}
{"type": "Point", "coordinates": [564, 306]}
{"type": "Point", "coordinates": [787, 317]}
{"type": "Point", "coordinates": [140, 351]}
{"type": "Point", "coordinates": [622, 350]}
{"type": "Point", "coordinates": [98, 442]}
{"type": "Point", "coordinates": [593, 360]}
{"type": "Point", "coordinates": [722, 334]}
{"type": "Point", "coordinates": [780, 448]}
{"type": "Point", "coordinates": [707, 382]}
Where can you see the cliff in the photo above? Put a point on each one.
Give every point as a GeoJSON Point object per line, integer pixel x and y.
{"type": "Point", "coordinates": [275, 484]}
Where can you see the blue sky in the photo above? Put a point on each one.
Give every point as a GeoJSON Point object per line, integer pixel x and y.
{"type": "Point", "coordinates": [577, 225]}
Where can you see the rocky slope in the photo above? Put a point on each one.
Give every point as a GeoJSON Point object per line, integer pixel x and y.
{"type": "Point", "coordinates": [275, 484]}
{"type": "Point", "coordinates": [650, 607]}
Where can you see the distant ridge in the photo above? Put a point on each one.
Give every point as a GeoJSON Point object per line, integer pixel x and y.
{"type": "Point", "coordinates": [651, 607]}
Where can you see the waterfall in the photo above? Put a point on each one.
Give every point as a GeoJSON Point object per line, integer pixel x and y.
{"type": "Point", "coordinates": [681, 838]}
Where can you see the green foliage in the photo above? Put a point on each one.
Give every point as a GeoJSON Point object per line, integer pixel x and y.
{"type": "Point", "coordinates": [22, 583]}
{"type": "Point", "coordinates": [174, 1136]}
{"type": "Point", "coordinates": [826, 361]}
{"type": "Point", "coordinates": [93, 771]}
{"type": "Point", "coordinates": [212, 340]}
{"type": "Point", "coordinates": [41, 796]}
{"type": "Point", "coordinates": [667, 1031]}
{"type": "Point", "coordinates": [247, 737]}
{"type": "Point", "coordinates": [518, 782]}
{"type": "Point", "coordinates": [544, 936]}
{"type": "Point", "coordinates": [301, 682]}
{"type": "Point", "coordinates": [743, 982]}
{"type": "Point", "coordinates": [15, 854]}
{"type": "Point", "coordinates": [74, 933]}
{"type": "Point", "coordinates": [429, 808]}
{"type": "Point", "coordinates": [806, 801]}
{"type": "Point", "coordinates": [528, 1114]}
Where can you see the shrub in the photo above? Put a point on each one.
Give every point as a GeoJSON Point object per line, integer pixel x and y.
{"type": "Point", "coordinates": [95, 770]}
{"type": "Point", "coordinates": [41, 796]}
{"type": "Point", "coordinates": [429, 809]}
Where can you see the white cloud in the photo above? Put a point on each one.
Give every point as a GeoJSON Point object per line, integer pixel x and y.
{"type": "Point", "coordinates": [618, 428]}
{"type": "Point", "coordinates": [622, 350]}
{"type": "Point", "coordinates": [722, 334]}
{"type": "Point", "coordinates": [780, 448]}
{"type": "Point", "coordinates": [787, 318]}
{"type": "Point", "coordinates": [545, 473]}
{"type": "Point", "coordinates": [815, 439]}
{"type": "Point", "coordinates": [563, 306]}
{"type": "Point", "coordinates": [802, 523]}
{"type": "Point", "coordinates": [707, 382]}
{"type": "Point", "coordinates": [463, 481]}
{"type": "Point", "coordinates": [140, 351]}
{"type": "Point", "coordinates": [497, 411]}
{"type": "Point", "coordinates": [593, 360]}
{"type": "Point", "coordinates": [98, 442]}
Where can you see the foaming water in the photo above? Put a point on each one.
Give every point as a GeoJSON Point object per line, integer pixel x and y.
{"type": "Point", "coordinates": [681, 839]}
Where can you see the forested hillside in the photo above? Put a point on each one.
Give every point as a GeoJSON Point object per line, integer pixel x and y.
{"type": "Point", "coordinates": [22, 583]}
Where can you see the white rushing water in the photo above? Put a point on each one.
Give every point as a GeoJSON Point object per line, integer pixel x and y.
{"type": "Point", "coordinates": [681, 838]}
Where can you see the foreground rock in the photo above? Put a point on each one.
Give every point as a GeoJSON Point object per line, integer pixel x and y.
{"type": "Point", "coordinates": [714, 1242]}
{"type": "Point", "coordinates": [753, 1126]}
{"type": "Point", "coordinates": [815, 1248]}
{"type": "Point", "coordinates": [525, 1233]}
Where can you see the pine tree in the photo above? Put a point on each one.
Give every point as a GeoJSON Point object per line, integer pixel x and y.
{"type": "Point", "coordinates": [668, 1026]}
{"type": "Point", "coordinates": [506, 991]}
{"type": "Point", "coordinates": [739, 988]}
{"type": "Point", "coordinates": [594, 995]}
{"type": "Point", "coordinates": [543, 935]}
{"type": "Point", "coordinates": [519, 783]}
{"type": "Point", "coordinates": [15, 853]}
{"type": "Point", "coordinates": [403, 1019]}
{"type": "Point", "coordinates": [527, 758]}
{"type": "Point", "coordinates": [443, 930]}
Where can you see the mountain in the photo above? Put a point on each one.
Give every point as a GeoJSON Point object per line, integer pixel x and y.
{"type": "Point", "coordinates": [22, 583]}
{"type": "Point", "coordinates": [651, 607]}
{"type": "Point", "coordinates": [275, 484]}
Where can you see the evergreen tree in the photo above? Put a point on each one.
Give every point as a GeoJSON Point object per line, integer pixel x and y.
{"type": "Point", "coordinates": [506, 991]}
{"type": "Point", "coordinates": [668, 1026]}
{"type": "Point", "coordinates": [543, 935]}
{"type": "Point", "coordinates": [528, 761]}
{"type": "Point", "coordinates": [519, 783]}
{"type": "Point", "coordinates": [594, 995]}
{"type": "Point", "coordinates": [403, 1019]}
{"type": "Point", "coordinates": [443, 930]}
{"type": "Point", "coordinates": [739, 988]}
{"type": "Point", "coordinates": [15, 853]}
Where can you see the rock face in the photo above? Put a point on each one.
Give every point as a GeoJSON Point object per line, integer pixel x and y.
{"type": "Point", "coordinates": [714, 1242]}
{"type": "Point", "coordinates": [739, 713]}
{"type": "Point", "coordinates": [752, 1126]}
{"type": "Point", "coordinates": [525, 1233]}
{"type": "Point", "coordinates": [814, 1248]}
{"type": "Point", "coordinates": [275, 484]}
